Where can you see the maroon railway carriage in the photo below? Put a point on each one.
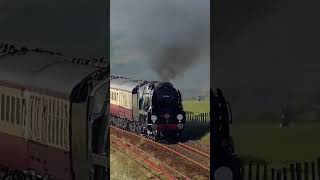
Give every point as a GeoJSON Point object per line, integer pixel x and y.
{"type": "Point", "coordinates": [52, 116]}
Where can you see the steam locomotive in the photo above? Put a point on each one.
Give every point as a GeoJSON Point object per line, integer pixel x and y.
{"type": "Point", "coordinates": [153, 109]}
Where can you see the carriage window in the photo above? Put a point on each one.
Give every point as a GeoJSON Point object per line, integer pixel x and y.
{"type": "Point", "coordinates": [18, 111]}
{"type": "Point", "coordinates": [113, 96]}
{"type": "Point", "coordinates": [24, 111]}
{"type": "Point", "coordinates": [46, 119]}
{"type": "Point", "coordinates": [53, 121]}
{"type": "Point", "coordinates": [50, 120]}
{"type": "Point", "coordinates": [36, 113]}
{"type": "Point", "coordinates": [2, 106]}
{"type": "Point", "coordinates": [58, 123]}
{"type": "Point", "coordinates": [66, 137]}
{"type": "Point", "coordinates": [62, 120]}
{"type": "Point", "coordinates": [31, 113]}
{"type": "Point", "coordinates": [13, 109]}
{"type": "Point", "coordinates": [7, 108]}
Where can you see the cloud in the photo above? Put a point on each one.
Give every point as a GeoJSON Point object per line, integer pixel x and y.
{"type": "Point", "coordinates": [266, 54]}
{"type": "Point", "coordinates": [127, 16]}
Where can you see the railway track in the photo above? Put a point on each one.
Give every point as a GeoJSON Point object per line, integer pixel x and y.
{"type": "Point", "coordinates": [12, 174]}
{"type": "Point", "coordinates": [183, 159]}
{"type": "Point", "coordinates": [148, 160]}
{"type": "Point", "coordinates": [198, 157]}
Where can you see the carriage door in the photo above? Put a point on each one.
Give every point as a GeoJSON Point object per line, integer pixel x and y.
{"type": "Point", "coordinates": [97, 128]}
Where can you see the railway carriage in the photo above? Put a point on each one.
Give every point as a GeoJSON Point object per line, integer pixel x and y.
{"type": "Point", "coordinates": [53, 115]}
{"type": "Point", "coordinates": [153, 108]}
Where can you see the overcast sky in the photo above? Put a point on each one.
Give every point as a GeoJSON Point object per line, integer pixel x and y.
{"type": "Point", "coordinates": [266, 53]}
{"type": "Point", "coordinates": [74, 27]}
{"type": "Point", "coordinates": [132, 22]}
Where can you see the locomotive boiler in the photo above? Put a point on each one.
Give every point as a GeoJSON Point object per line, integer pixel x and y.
{"type": "Point", "coordinates": [149, 108]}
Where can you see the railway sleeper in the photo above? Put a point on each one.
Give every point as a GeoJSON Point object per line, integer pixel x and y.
{"type": "Point", "coordinates": [7, 174]}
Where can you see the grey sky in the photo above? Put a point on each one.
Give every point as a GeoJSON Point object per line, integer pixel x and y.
{"type": "Point", "coordinates": [266, 53]}
{"type": "Point", "coordinates": [130, 19]}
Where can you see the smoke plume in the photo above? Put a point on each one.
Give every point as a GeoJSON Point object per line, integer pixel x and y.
{"type": "Point", "coordinates": [172, 35]}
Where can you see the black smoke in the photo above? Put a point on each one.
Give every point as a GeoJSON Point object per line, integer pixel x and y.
{"type": "Point", "coordinates": [172, 34]}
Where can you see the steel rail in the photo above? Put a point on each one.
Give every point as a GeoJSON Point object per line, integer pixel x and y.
{"type": "Point", "coordinates": [164, 147]}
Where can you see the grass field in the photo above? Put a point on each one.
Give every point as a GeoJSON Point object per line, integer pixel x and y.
{"type": "Point", "coordinates": [124, 168]}
{"type": "Point", "coordinates": [195, 107]}
{"type": "Point", "coordinates": [279, 146]}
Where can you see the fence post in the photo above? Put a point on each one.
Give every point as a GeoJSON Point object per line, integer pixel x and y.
{"type": "Point", "coordinates": [284, 172]}
{"type": "Point", "coordinates": [208, 117]}
{"type": "Point", "coordinates": [306, 171]}
{"type": "Point", "coordinates": [202, 118]}
{"type": "Point", "coordinates": [278, 174]}
{"type": "Point", "coordinates": [265, 172]}
{"type": "Point", "coordinates": [298, 171]}
{"type": "Point", "coordinates": [250, 171]}
{"type": "Point", "coordinates": [292, 172]}
{"type": "Point", "coordinates": [313, 171]}
{"type": "Point", "coordinates": [258, 171]}
{"type": "Point", "coordinates": [242, 171]}
{"type": "Point", "coordinates": [272, 174]}
{"type": "Point", "coordinates": [318, 164]}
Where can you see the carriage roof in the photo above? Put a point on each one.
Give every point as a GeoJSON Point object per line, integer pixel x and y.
{"type": "Point", "coordinates": [124, 84]}
{"type": "Point", "coordinates": [43, 71]}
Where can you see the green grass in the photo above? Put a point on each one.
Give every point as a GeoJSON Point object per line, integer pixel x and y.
{"type": "Point", "coordinates": [201, 133]}
{"type": "Point", "coordinates": [195, 107]}
{"type": "Point", "coordinates": [279, 146]}
{"type": "Point", "coordinates": [124, 168]}
{"type": "Point", "coordinates": [206, 139]}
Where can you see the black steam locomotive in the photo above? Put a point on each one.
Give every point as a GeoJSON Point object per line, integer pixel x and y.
{"type": "Point", "coordinates": [152, 108]}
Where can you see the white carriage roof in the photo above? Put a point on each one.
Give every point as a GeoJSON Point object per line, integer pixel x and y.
{"type": "Point", "coordinates": [124, 84]}
{"type": "Point", "coordinates": [43, 71]}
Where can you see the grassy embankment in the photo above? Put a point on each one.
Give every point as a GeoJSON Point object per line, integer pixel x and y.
{"type": "Point", "coordinates": [123, 167]}
{"type": "Point", "coordinates": [278, 146]}
{"type": "Point", "coordinates": [198, 108]}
